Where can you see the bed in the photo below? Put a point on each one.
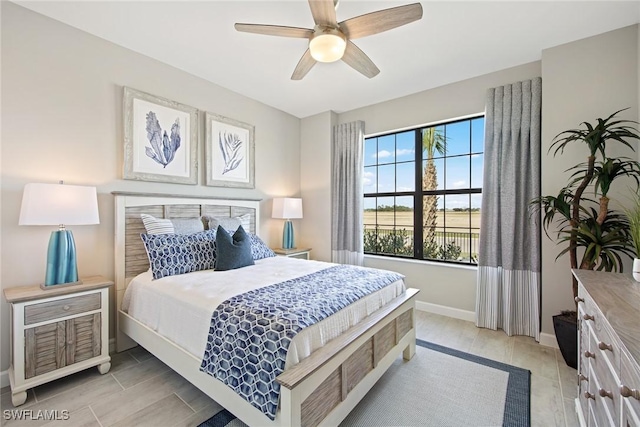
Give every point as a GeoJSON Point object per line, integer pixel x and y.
{"type": "Point", "coordinates": [318, 388]}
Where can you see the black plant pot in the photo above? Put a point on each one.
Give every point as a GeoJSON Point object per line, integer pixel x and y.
{"type": "Point", "coordinates": [566, 328]}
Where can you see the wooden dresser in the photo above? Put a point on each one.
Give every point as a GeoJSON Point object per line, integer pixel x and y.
{"type": "Point", "coordinates": [56, 332]}
{"type": "Point", "coordinates": [609, 348]}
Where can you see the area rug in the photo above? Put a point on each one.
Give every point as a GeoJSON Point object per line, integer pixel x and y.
{"type": "Point", "coordinates": [440, 386]}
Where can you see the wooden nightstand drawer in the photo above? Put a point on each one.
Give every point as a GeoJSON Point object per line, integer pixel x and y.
{"type": "Point", "coordinates": [65, 307]}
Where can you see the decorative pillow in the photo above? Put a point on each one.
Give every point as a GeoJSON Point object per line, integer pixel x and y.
{"type": "Point", "coordinates": [155, 225]}
{"type": "Point", "coordinates": [230, 224]}
{"type": "Point", "coordinates": [232, 251]}
{"type": "Point", "coordinates": [187, 225]}
{"type": "Point", "coordinates": [173, 254]}
{"type": "Point", "coordinates": [259, 249]}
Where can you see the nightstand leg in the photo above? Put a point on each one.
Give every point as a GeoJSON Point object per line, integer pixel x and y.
{"type": "Point", "coordinates": [18, 398]}
{"type": "Point", "coordinates": [104, 368]}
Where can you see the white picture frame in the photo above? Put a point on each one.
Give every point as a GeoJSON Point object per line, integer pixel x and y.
{"type": "Point", "coordinates": [229, 152]}
{"type": "Point", "coordinates": [160, 139]}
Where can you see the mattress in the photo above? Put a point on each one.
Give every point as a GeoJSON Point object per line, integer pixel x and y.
{"type": "Point", "coordinates": [180, 307]}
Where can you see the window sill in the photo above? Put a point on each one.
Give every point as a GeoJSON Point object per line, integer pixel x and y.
{"type": "Point", "coordinates": [421, 262]}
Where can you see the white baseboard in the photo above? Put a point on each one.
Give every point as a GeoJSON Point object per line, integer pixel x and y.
{"type": "Point", "coordinates": [4, 379]}
{"type": "Point", "coordinates": [456, 313]}
{"type": "Point", "coordinates": [547, 340]}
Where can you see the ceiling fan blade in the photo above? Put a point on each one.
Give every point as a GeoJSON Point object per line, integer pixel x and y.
{"type": "Point", "coordinates": [323, 12]}
{"type": "Point", "coordinates": [382, 20]}
{"type": "Point", "coordinates": [275, 30]}
{"type": "Point", "coordinates": [359, 61]}
{"type": "Point", "coordinates": [305, 64]}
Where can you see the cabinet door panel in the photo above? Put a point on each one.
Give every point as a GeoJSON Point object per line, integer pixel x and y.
{"type": "Point", "coordinates": [44, 349]}
{"type": "Point", "coordinates": [83, 338]}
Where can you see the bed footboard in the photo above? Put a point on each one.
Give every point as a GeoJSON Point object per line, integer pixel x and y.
{"type": "Point", "coordinates": [325, 387]}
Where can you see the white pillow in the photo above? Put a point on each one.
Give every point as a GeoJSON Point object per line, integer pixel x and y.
{"type": "Point", "coordinates": [155, 225]}
{"type": "Point", "coordinates": [230, 224]}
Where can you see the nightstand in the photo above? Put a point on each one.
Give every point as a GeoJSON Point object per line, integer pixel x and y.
{"type": "Point", "coordinates": [57, 332]}
{"type": "Point", "coordinates": [301, 253]}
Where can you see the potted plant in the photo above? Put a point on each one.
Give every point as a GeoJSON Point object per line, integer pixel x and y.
{"type": "Point", "coordinates": [633, 216]}
{"type": "Point", "coordinates": [594, 234]}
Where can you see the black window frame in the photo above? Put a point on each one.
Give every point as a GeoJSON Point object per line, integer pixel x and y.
{"type": "Point", "coordinates": [419, 193]}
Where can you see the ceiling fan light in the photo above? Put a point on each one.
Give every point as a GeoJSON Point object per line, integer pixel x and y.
{"type": "Point", "coordinates": [327, 47]}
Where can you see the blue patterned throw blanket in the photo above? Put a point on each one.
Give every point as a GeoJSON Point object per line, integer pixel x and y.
{"type": "Point", "coordinates": [250, 333]}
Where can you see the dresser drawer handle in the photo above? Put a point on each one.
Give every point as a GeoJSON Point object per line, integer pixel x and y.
{"type": "Point", "coordinates": [583, 378]}
{"type": "Point", "coordinates": [589, 395]}
{"type": "Point", "coordinates": [628, 392]}
{"type": "Point", "coordinates": [603, 346]}
{"type": "Point", "coordinates": [588, 317]}
{"type": "Point", "coordinates": [589, 354]}
{"type": "Point", "coordinates": [578, 299]}
{"type": "Point", "coordinates": [66, 307]}
{"type": "Point", "coordinates": [604, 393]}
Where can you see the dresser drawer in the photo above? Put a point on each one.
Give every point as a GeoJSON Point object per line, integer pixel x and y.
{"type": "Point", "coordinates": [51, 310]}
{"type": "Point", "coordinates": [630, 384]}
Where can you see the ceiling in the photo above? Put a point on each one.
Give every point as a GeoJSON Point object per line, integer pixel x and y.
{"type": "Point", "coordinates": [454, 40]}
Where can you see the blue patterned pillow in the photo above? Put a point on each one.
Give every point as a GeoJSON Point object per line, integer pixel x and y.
{"type": "Point", "coordinates": [232, 251]}
{"type": "Point", "coordinates": [172, 254]}
{"type": "Point", "coordinates": [259, 249]}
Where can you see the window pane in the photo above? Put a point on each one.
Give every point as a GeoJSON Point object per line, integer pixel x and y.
{"type": "Point", "coordinates": [370, 227]}
{"type": "Point", "coordinates": [370, 150]}
{"type": "Point", "coordinates": [477, 169]}
{"type": "Point", "coordinates": [369, 180]}
{"type": "Point", "coordinates": [386, 178]}
{"type": "Point", "coordinates": [477, 135]}
{"type": "Point", "coordinates": [404, 212]}
{"type": "Point", "coordinates": [386, 149]}
{"type": "Point", "coordinates": [456, 240]}
{"type": "Point", "coordinates": [476, 203]}
{"type": "Point", "coordinates": [457, 173]}
{"type": "Point", "coordinates": [405, 146]}
{"type": "Point", "coordinates": [405, 176]}
{"type": "Point", "coordinates": [458, 138]}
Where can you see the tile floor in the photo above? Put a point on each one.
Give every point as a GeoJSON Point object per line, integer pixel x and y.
{"type": "Point", "coordinates": [139, 390]}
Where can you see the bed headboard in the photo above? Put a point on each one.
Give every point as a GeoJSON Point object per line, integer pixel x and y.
{"type": "Point", "coordinates": [130, 254]}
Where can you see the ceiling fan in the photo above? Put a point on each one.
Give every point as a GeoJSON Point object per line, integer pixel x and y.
{"type": "Point", "coordinates": [330, 40]}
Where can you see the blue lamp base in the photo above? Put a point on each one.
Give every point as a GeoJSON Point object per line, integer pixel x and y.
{"type": "Point", "coordinates": [288, 241]}
{"type": "Point", "coordinates": [61, 259]}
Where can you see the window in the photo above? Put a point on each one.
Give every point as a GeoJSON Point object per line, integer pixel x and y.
{"type": "Point", "coordinates": [425, 185]}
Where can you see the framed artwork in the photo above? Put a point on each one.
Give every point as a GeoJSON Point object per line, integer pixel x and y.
{"type": "Point", "coordinates": [160, 139]}
{"type": "Point", "coordinates": [229, 152]}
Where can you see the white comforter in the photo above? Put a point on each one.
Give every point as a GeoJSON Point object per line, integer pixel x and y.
{"type": "Point", "coordinates": [180, 307]}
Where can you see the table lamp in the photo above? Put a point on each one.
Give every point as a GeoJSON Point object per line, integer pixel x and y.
{"type": "Point", "coordinates": [287, 208]}
{"type": "Point", "coordinates": [59, 204]}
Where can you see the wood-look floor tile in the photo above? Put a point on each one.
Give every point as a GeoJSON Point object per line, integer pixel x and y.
{"type": "Point", "coordinates": [568, 377]}
{"type": "Point", "coordinates": [76, 398]}
{"type": "Point", "coordinates": [495, 345]}
{"type": "Point", "coordinates": [540, 360]}
{"type": "Point", "coordinates": [547, 405]}
{"type": "Point", "coordinates": [50, 389]}
{"type": "Point", "coordinates": [140, 353]}
{"type": "Point", "coordinates": [165, 412]}
{"type": "Point", "coordinates": [455, 333]}
{"type": "Point", "coordinates": [140, 372]}
{"type": "Point", "coordinates": [133, 399]}
{"type": "Point", "coordinates": [570, 414]}
{"type": "Point", "coordinates": [5, 400]}
{"type": "Point", "coordinates": [120, 361]}
{"type": "Point", "coordinates": [193, 397]}
{"type": "Point", "coordinates": [82, 418]}
{"type": "Point", "coordinates": [201, 416]}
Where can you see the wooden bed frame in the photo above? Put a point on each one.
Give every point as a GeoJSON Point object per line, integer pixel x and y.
{"type": "Point", "coordinates": [320, 390]}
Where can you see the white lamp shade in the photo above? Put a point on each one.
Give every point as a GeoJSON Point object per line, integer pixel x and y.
{"type": "Point", "coordinates": [287, 208]}
{"type": "Point", "coordinates": [59, 204]}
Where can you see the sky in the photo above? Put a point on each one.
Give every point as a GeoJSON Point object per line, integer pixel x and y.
{"type": "Point", "coordinates": [461, 169]}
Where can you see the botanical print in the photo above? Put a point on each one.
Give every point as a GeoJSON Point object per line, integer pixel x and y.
{"type": "Point", "coordinates": [230, 146]}
{"type": "Point", "coordinates": [160, 139]}
{"type": "Point", "coordinates": [229, 149]}
{"type": "Point", "coordinates": [163, 148]}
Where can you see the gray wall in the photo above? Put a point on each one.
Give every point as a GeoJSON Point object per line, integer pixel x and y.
{"type": "Point", "coordinates": [62, 119]}
{"type": "Point", "coordinates": [582, 81]}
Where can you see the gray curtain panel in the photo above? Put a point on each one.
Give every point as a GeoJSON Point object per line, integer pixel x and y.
{"type": "Point", "coordinates": [347, 245]}
{"type": "Point", "coordinates": [508, 287]}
